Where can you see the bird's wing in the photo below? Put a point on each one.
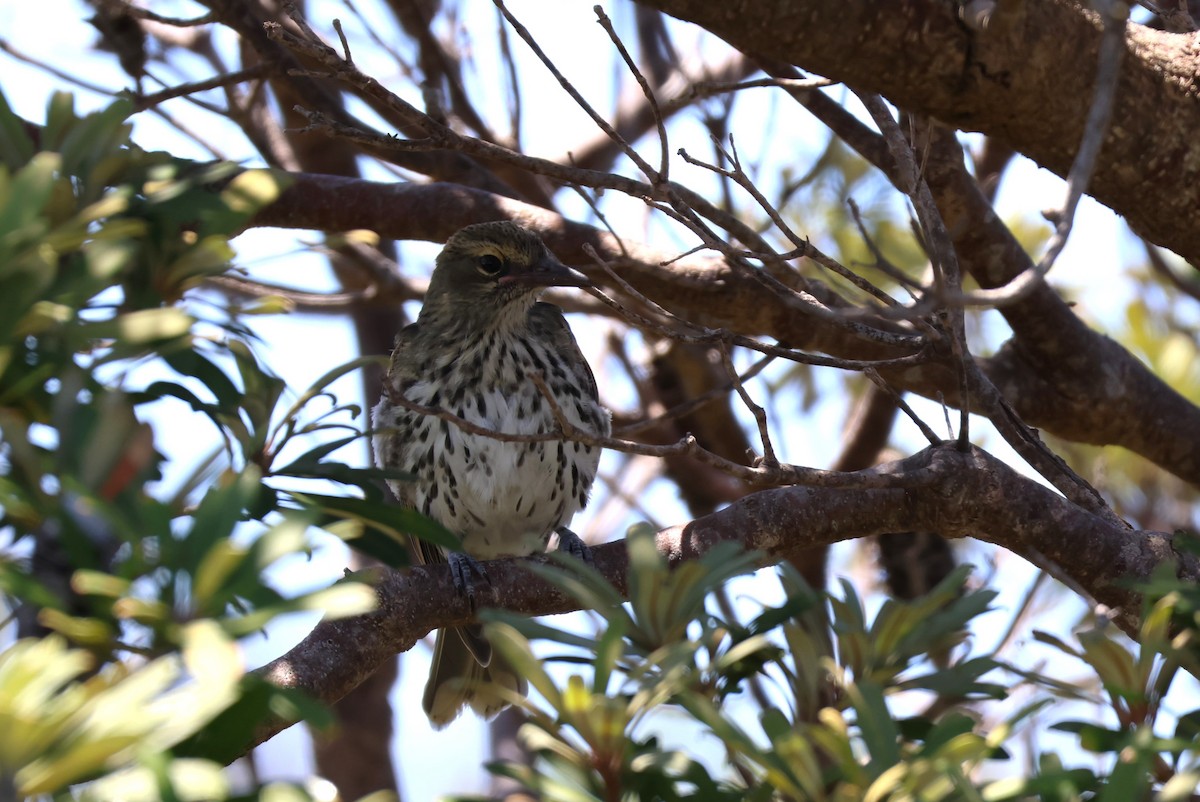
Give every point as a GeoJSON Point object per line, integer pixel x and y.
{"type": "Point", "coordinates": [402, 371]}
{"type": "Point", "coordinates": [549, 321]}
{"type": "Point", "coordinates": [403, 367]}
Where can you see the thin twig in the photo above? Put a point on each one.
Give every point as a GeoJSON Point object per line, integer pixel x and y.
{"type": "Point", "coordinates": [592, 203]}
{"type": "Point", "coordinates": [703, 89]}
{"type": "Point", "coordinates": [882, 263]}
{"type": "Point", "coordinates": [1021, 612]}
{"type": "Point", "coordinates": [693, 404]}
{"type": "Point", "coordinates": [337, 26]}
{"type": "Point", "coordinates": [1178, 19]}
{"type": "Point", "coordinates": [760, 415]}
{"type": "Point", "coordinates": [298, 299]}
{"type": "Point", "coordinates": [1028, 444]}
{"type": "Point", "coordinates": [144, 102]}
{"type": "Point", "coordinates": [1159, 265]}
{"type": "Point", "coordinates": [19, 55]}
{"type": "Point", "coordinates": [146, 14]}
{"type": "Point", "coordinates": [848, 318]}
{"type": "Point", "coordinates": [803, 247]}
{"type": "Point", "coordinates": [807, 304]}
{"type": "Point", "coordinates": [678, 202]}
{"type": "Point", "coordinates": [1095, 130]}
{"type": "Point", "coordinates": [706, 336]}
{"type": "Point", "coordinates": [759, 475]}
{"type": "Point", "coordinates": [188, 132]}
{"type": "Point", "coordinates": [947, 278]}
{"type": "Point", "coordinates": [878, 381]}
{"type": "Point", "coordinates": [664, 156]}
{"type": "Point", "coordinates": [514, 90]}
{"type": "Point", "coordinates": [579, 99]}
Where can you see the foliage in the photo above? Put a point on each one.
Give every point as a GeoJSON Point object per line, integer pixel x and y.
{"type": "Point", "coordinates": [829, 723]}
{"type": "Point", "coordinates": [100, 245]}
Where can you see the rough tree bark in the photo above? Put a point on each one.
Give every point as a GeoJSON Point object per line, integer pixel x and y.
{"type": "Point", "coordinates": [1025, 80]}
{"type": "Point", "coordinates": [953, 493]}
{"type": "Point", "coordinates": [709, 291]}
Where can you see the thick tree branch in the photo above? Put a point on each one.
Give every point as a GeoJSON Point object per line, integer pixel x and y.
{"type": "Point", "coordinates": [1057, 369]}
{"type": "Point", "coordinates": [1026, 79]}
{"type": "Point", "coordinates": [710, 292]}
{"type": "Point", "coordinates": [247, 20]}
{"type": "Point", "coordinates": [703, 289]}
{"type": "Point", "coordinates": [962, 494]}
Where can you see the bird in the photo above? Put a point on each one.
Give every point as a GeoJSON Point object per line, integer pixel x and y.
{"type": "Point", "coordinates": [479, 335]}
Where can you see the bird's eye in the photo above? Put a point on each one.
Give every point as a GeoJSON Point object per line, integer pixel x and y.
{"type": "Point", "coordinates": [491, 266]}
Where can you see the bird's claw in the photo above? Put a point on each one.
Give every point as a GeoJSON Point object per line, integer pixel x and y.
{"type": "Point", "coordinates": [571, 543]}
{"type": "Point", "coordinates": [461, 567]}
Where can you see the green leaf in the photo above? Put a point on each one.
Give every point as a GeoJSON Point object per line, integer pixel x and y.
{"type": "Point", "coordinates": [879, 732]}
{"type": "Point", "coordinates": [1115, 664]}
{"type": "Point", "coordinates": [363, 477]}
{"type": "Point", "coordinates": [516, 650]}
{"type": "Point", "coordinates": [95, 135]}
{"type": "Point", "coordinates": [1052, 783]}
{"type": "Point", "coordinates": [245, 194]}
{"type": "Point", "coordinates": [583, 583]}
{"type": "Point", "coordinates": [535, 629]}
{"type": "Point", "coordinates": [1093, 737]}
{"type": "Point", "coordinates": [960, 680]}
{"type": "Point", "coordinates": [192, 780]}
{"type": "Point", "coordinates": [228, 734]}
{"type": "Point", "coordinates": [800, 600]}
{"type": "Point", "coordinates": [1181, 787]}
{"type": "Point", "coordinates": [794, 755]}
{"type": "Point", "coordinates": [939, 734]}
{"type": "Point", "coordinates": [16, 148]}
{"type": "Point", "coordinates": [1130, 778]}
{"type": "Point", "coordinates": [31, 188]}
{"type": "Point", "coordinates": [308, 463]}
{"type": "Point", "coordinates": [1187, 726]}
{"type": "Point", "coordinates": [192, 363]}
{"type": "Point", "coordinates": [138, 328]}
{"type": "Point", "coordinates": [1056, 642]}
{"type": "Point", "coordinates": [222, 507]}
{"type": "Point", "coordinates": [319, 386]}
{"type": "Point", "coordinates": [609, 649]}
{"type": "Point", "coordinates": [391, 521]}
{"type": "Point", "coordinates": [263, 389]}
{"type": "Point", "coordinates": [165, 389]}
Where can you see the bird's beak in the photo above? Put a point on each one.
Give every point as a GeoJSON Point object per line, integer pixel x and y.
{"type": "Point", "coordinates": [547, 272]}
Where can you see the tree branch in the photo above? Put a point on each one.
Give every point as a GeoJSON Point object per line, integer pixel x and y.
{"type": "Point", "coordinates": [962, 494]}
{"type": "Point", "coordinates": [1027, 80]}
{"type": "Point", "coordinates": [708, 291]}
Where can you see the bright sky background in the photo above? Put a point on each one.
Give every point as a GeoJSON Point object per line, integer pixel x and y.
{"type": "Point", "coordinates": [1088, 271]}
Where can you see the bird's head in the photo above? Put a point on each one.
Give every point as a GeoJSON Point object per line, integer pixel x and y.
{"type": "Point", "coordinates": [492, 270]}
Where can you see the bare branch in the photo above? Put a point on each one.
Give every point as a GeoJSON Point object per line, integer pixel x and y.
{"type": "Point", "coordinates": [579, 99]}
{"type": "Point", "coordinates": [768, 459]}
{"type": "Point", "coordinates": [143, 102]}
{"type": "Point", "coordinates": [693, 404]}
{"type": "Point", "coordinates": [763, 475]}
{"type": "Point", "coordinates": [1095, 129]}
{"type": "Point", "coordinates": [647, 92]}
{"type": "Point", "coordinates": [966, 494]}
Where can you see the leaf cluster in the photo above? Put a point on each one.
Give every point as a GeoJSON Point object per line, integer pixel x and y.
{"type": "Point", "coordinates": [130, 601]}
{"type": "Point", "coordinates": [814, 699]}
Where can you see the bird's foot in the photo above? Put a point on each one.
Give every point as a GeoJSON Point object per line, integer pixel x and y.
{"type": "Point", "coordinates": [461, 567]}
{"type": "Point", "coordinates": [571, 543]}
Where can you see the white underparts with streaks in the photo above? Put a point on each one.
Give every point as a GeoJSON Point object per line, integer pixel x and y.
{"type": "Point", "coordinates": [503, 498]}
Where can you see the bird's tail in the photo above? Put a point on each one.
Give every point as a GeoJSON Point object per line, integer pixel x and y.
{"type": "Point", "coordinates": [458, 679]}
